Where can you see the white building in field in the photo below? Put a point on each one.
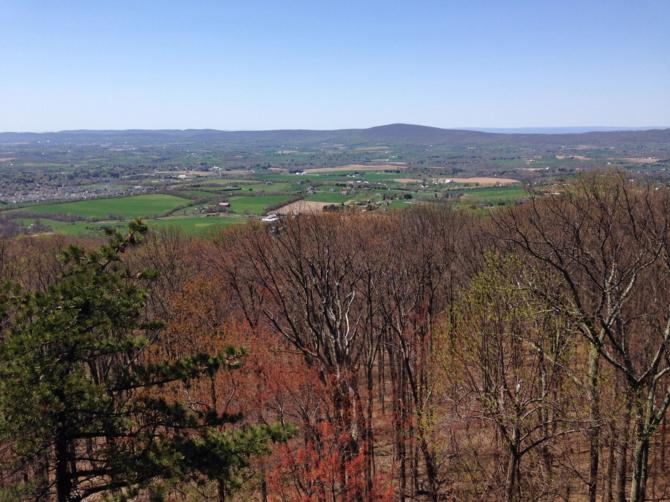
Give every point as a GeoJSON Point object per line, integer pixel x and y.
{"type": "Point", "coordinates": [270, 218]}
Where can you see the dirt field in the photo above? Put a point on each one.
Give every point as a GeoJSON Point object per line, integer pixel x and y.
{"type": "Point", "coordinates": [237, 172]}
{"type": "Point", "coordinates": [302, 207]}
{"type": "Point", "coordinates": [572, 157]}
{"type": "Point", "coordinates": [639, 160]}
{"type": "Point", "coordinates": [371, 148]}
{"type": "Point", "coordinates": [357, 167]}
{"type": "Point", "coordinates": [481, 181]}
{"type": "Point", "coordinates": [198, 174]}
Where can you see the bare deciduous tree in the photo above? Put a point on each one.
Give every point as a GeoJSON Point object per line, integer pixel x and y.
{"type": "Point", "coordinates": [606, 241]}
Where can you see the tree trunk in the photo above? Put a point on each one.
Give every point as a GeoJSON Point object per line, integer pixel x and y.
{"type": "Point", "coordinates": [639, 469]}
{"type": "Point", "coordinates": [640, 453]}
{"type": "Point", "coordinates": [431, 470]}
{"type": "Point", "coordinates": [512, 477]}
{"type": "Point", "coordinates": [221, 491]}
{"type": "Point", "coordinates": [370, 448]}
{"type": "Point", "coordinates": [342, 416]}
{"type": "Point", "coordinates": [264, 483]}
{"type": "Point", "coordinates": [397, 378]}
{"type": "Point", "coordinates": [622, 467]}
{"type": "Point", "coordinates": [345, 399]}
{"type": "Point", "coordinates": [643, 432]}
{"type": "Point", "coordinates": [645, 470]}
{"type": "Point", "coordinates": [611, 460]}
{"type": "Point", "coordinates": [663, 442]}
{"type": "Point", "coordinates": [361, 426]}
{"type": "Point", "coordinates": [42, 474]}
{"type": "Point", "coordinates": [594, 419]}
{"type": "Point", "coordinates": [63, 479]}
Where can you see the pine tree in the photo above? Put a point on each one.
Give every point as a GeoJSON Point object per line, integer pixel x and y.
{"type": "Point", "coordinates": [78, 397]}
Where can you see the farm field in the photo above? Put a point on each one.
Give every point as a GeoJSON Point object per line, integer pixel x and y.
{"type": "Point", "coordinates": [328, 197]}
{"type": "Point", "coordinates": [302, 207]}
{"type": "Point", "coordinates": [204, 207]}
{"type": "Point", "coordinates": [357, 167]}
{"type": "Point", "coordinates": [481, 181]}
{"type": "Point", "coordinates": [195, 225]}
{"type": "Point", "coordinates": [493, 196]}
{"type": "Point", "coordinates": [137, 206]}
{"type": "Point", "coordinates": [270, 188]}
{"type": "Point", "coordinates": [256, 205]}
{"type": "Point", "coordinates": [72, 228]}
{"type": "Point", "coordinates": [476, 180]}
{"type": "Point", "coordinates": [248, 186]}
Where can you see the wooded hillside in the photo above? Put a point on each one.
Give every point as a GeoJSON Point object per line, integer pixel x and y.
{"type": "Point", "coordinates": [422, 354]}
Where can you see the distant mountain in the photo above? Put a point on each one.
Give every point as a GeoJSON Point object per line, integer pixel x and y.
{"type": "Point", "coordinates": [392, 134]}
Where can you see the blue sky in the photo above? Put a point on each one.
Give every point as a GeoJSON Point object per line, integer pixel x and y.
{"type": "Point", "coordinates": [251, 64]}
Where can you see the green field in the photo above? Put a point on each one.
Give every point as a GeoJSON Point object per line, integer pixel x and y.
{"type": "Point", "coordinates": [197, 194]}
{"type": "Point", "coordinates": [493, 196]}
{"type": "Point", "coordinates": [400, 204]}
{"type": "Point", "coordinates": [256, 204]}
{"type": "Point", "coordinates": [196, 225]}
{"type": "Point", "coordinates": [192, 225]}
{"type": "Point", "coordinates": [74, 228]}
{"type": "Point", "coordinates": [274, 187]}
{"type": "Point", "coordinates": [137, 206]}
{"type": "Point", "coordinates": [333, 197]}
{"type": "Point", "coordinates": [187, 208]}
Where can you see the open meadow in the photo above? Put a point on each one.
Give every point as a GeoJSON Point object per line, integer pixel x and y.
{"type": "Point", "coordinates": [122, 207]}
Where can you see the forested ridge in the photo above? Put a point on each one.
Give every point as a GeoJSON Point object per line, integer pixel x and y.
{"type": "Point", "coordinates": [422, 354]}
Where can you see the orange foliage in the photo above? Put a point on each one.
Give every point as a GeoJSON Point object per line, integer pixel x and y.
{"type": "Point", "coordinates": [313, 472]}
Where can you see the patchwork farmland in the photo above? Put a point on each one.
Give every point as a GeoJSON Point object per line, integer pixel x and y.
{"type": "Point", "coordinates": [204, 205]}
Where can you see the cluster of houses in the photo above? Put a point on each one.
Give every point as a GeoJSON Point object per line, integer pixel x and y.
{"type": "Point", "coordinates": [219, 207]}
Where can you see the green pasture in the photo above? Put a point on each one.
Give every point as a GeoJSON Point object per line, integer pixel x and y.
{"type": "Point", "coordinates": [136, 206]}
{"type": "Point", "coordinates": [196, 225]}
{"type": "Point", "coordinates": [258, 204]}
{"type": "Point", "coordinates": [493, 195]}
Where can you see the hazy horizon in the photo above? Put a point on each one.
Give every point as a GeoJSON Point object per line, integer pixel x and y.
{"type": "Point", "coordinates": [503, 130]}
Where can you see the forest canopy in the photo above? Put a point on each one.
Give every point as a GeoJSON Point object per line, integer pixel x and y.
{"type": "Point", "coordinates": [422, 354]}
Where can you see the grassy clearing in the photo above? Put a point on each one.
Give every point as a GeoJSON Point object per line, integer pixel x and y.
{"type": "Point", "coordinates": [256, 204]}
{"type": "Point", "coordinates": [279, 178]}
{"type": "Point", "coordinates": [331, 197]}
{"type": "Point", "coordinates": [75, 228]}
{"type": "Point", "coordinates": [400, 204]}
{"type": "Point", "coordinates": [274, 187]}
{"type": "Point", "coordinates": [137, 206]}
{"type": "Point", "coordinates": [229, 182]}
{"type": "Point", "coordinates": [493, 196]}
{"type": "Point", "coordinates": [256, 187]}
{"type": "Point", "coordinates": [196, 194]}
{"type": "Point", "coordinates": [196, 225]}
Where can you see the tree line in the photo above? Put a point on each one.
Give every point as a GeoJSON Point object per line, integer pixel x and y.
{"type": "Point", "coordinates": [424, 354]}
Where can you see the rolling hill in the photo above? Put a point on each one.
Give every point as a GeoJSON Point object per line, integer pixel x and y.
{"type": "Point", "coordinates": [392, 134]}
